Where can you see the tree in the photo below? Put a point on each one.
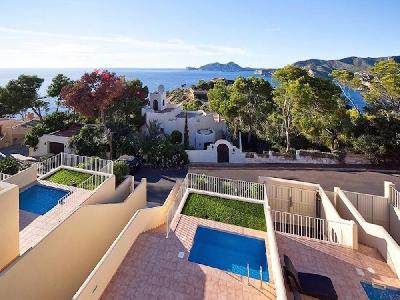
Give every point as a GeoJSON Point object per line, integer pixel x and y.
{"type": "Point", "coordinates": [286, 96]}
{"type": "Point", "coordinates": [127, 108]}
{"type": "Point", "coordinates": [254, 97]}
{"type": "Point", "coordinates": [380, 86]}
{"type": "Point", "coordinates": [186, 133]}
{"type": "Point", "coordinates": [90, 141]}
{"type": "Point", "coordinates": [93, 94]}
{"type": "Point", "coordinates": [23, 94]}
{"type": "Point", "coordinates": [175, 137]}
{"type": "Point", "coordinates": [9, 166]}
{"type": "Point", "coordinates": [56, 86]}
{"type": "Point", "coordinates": [378, 133]}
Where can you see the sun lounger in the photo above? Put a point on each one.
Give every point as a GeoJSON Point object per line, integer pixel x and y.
{"type": "Point", "coordinates": [310, 284]}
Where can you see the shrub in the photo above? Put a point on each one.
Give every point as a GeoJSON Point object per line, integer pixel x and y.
{"type": "Point", "coordinates": [176, 137]}
{"type": "Point", "coordinates": [316, 154]}
{"type": "Point", "coordinates": [166, 155]}
{"type": "Point", "coordinates": [234, 212]}
{"type": "Point", "coordinates": [9, 166]}
{"type": "Point", "coordinates": [90, 141]}
{"type": "Point", "coordinates": [121, 169]}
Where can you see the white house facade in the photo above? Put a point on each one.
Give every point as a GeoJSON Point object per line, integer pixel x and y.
{"type": "Point", "coordinates": [204, 128]}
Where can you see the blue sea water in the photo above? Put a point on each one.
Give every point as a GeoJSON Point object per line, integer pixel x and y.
{"type": "Point", "coordinates": [229, 252]}
{"type": "Point", "coordinates": [170, 78]}
{"type": "Point", "coordinates": [39, 199]}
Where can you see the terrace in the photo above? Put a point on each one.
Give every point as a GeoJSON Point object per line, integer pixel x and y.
{"type": "Point", "coordinates": [301, 220]}
{"type": "Point", "coordinates": [52, 190]}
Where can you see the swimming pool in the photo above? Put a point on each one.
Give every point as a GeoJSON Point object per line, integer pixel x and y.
{"type": "Point", "coordinates": [229, 252]}
{"type": "Point", "coordinates": [39, 199]}
{"type": "Point", "coordinates": [380, 293]}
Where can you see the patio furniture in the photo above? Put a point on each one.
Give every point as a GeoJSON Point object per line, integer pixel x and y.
{"type": "Point", "coordinates": [314, 285]}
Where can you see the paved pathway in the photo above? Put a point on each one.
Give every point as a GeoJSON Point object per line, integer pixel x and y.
{"type": "Point", "coordinates": [152, 269]}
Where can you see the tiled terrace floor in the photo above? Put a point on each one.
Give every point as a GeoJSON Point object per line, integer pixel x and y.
{"type": "Point", "coordinates": [338, 263]}
{"type": "Point", "coordinates": [152, 269]}
{"type": "Point", "coordinates": [33, 228]}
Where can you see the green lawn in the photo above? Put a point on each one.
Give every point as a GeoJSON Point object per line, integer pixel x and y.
{"type": "Point", "coordinates": [234, 212]}
{"type": "Point", "coordinates": [68, 177]}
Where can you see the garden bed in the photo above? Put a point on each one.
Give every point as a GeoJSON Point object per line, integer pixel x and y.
{"type": "Point", "coordinates": [244, 214]}
{"type": "Point", "coordinates": [68, 177]}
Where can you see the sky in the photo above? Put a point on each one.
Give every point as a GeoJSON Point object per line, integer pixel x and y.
{"type": "Point", "coordinates": [180, 33]}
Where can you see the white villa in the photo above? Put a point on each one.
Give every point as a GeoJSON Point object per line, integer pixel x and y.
{"type": "Point", "coordinates": [204, 128]}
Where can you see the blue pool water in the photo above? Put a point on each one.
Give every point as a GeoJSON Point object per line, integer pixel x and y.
{"type": "Point", "coordinates": [229, 252]}
{"type": "Point", "coordinates": [377, 293]}
{"type": "Point", "coordinates": [39, 199]}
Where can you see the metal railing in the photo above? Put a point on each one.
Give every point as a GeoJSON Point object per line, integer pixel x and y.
{"type": "Point", "coordinates": [4, 176]}
{"type": "Point", "coordinates": [227, 187]}
{"type": "Point", "coordinates": [87, 163]}
{"type": "Point", "coordinates": [395, 197]}
{"type": "Point", "coordinates": [309, 227]}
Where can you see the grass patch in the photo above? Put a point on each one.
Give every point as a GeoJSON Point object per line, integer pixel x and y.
{"type": "Point", "coordinates": [68, 177]}
{"type": "Point", "coordinates": [234, 212]}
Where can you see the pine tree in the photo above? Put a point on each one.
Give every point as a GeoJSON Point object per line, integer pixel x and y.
{"type": "Point", "coordinates": [186, 133]}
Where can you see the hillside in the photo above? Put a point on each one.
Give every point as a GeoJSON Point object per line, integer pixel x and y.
{"type": "Point", "coordinates": [319, 67]}
{"type": "Point", "coordinates": [228, 67]}
{"type": "Point", "coordinates": [323, 68]}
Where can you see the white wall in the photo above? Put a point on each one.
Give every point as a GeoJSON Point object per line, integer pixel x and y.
{"type": "Point", "coordinates": [44, 145]}
{"type": "Point", "coordinates": [169, 122]}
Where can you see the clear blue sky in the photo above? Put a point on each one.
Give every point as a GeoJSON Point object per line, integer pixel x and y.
{"type": "Point", "coordinates": [177, 33]}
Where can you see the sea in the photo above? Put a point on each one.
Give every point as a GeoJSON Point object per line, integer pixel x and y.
{"type": "Point", "coordinates": [152, 78]}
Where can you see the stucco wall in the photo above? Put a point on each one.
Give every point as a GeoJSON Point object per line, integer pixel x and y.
{"type": "Point", "coordinates": [57, 265]}
{"type": "Point", "coordinates": [9, 223]}
{"type": "Point", "coordinates": [394, 215]}
{"type": "Point", "coordinates": [44, 142]}
{"type": "Point", "coordinates": [143, 220]}
{"type": "Point", "coordinates": [370, 234]}
{"type": "Point", "coordinates": [24, 178]}
{"type": "Point", "coordinates": [103, 193]}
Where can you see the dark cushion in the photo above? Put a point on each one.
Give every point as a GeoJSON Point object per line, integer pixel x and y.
{"type": "Point", "coordinates": [317, 286]}
{"type": "Point", "coordinates": [289, 267]}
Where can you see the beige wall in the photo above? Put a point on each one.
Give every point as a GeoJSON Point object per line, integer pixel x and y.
{"type": "Point", "coordinates": [122, 191]}
{"type": "Point", "coordinates": [346, 230]}
{"type": "Point", "coordinates": [370, 234]}
{"type": "Point", "coordinates": [9, 224]}
{"type": "Point", "coordinates": [143, 220]}
{"type": "Point", "coordinates": [56, 267]}
{"type": "Point", "coordinates": [103, 193]}
{"type": "Point", "coordinates": [24, 178]}
{"type": "Point", "coordinates": [11, 132]}
{"type": "Point", "coordinates": [394, 215]}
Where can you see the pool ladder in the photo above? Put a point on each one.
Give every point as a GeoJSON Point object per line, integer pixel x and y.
{"type": "Point", "coordinates": [248, 275]}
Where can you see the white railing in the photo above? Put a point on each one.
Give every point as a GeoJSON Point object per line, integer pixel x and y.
{"type": "Point", "coordinates": [4, 176]}
{"type": "Point", "coordinates": [93, 181]}
{"type": "Point", "coordinates": [395, 196]}
{"type": "Point", "coordinates": [226, 187]}
{"type": "Point", "coordinates": [309, 227]}
{"type": "Point", "coordinates": [93, 164]}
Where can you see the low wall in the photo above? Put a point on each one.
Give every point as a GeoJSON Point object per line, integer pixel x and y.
{"type": "Point", "coordinates": [394, 216]}
{"type": "Point", "coordinates": [346, 228]}
{"type": "Point", "coordinates": [9, 224]}
{"type": "Point", "coordinates": [24, 178]}
{"type": "Point", "coordinates": [122, 190]}
{"type": "Point", "coordinates": [56, 267]}
{"type": "Point", "coordinates": [103, 192]}
{"type": "Point", "coordinates": [370, 234]}
{"type": "Point", "coordinates": [143, 220]}
{"type": "Point", "coordinates": [276, 266]}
